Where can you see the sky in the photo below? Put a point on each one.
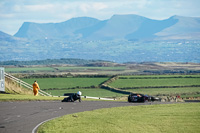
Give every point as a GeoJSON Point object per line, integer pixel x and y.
{"type": "Point", "coordinates": [13, 13]}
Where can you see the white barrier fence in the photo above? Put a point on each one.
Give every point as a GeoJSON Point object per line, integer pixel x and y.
{"type": "Point", "coordinates": [98, 98]}
{"type": "Point", "coordinates": [25, 84]}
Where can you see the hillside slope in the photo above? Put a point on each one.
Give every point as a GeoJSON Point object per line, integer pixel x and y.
{"type": "Point", "coordinates": [185, 28]}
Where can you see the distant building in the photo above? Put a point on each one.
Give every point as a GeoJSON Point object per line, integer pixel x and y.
{"type": "Point", "coordinates": [2, 80]}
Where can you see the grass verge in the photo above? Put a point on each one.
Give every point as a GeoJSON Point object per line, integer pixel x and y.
{"type": "Point", "coordinates": [21, 97]}
{"type": "Point", "coordinates": [18, 97]}
{"type": "Point", "coordinates": [179, 118]}
{"type": "Point", "coordinates": [94, 92]}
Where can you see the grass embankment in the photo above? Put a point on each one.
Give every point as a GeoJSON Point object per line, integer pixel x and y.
{"type": "Point", "coordinates": [178, 118]}
{"type": "Point", "coordinates": [15, 92]}
{"type": "Point", "coordinates": [21, 97]}
{"type": "Point", "coordinates": [12, 87]}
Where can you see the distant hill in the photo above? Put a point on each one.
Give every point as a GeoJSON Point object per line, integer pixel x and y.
{"type": "Point", "coordinates": [148, 28]}
{"type": "Point", "coordinates": [6, 37]}
{"type": "Point", "coordinates": [184, 28]}
{"type": "Point", "coordinates": [117, 27]}
{"type": "Point", "coordinates": [130, 27]}
{"type": "Point", "coordinates": [55, 30]}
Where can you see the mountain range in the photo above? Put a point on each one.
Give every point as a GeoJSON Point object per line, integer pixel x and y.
{"type": "Point", "coordinates": [129, 27]}
{"type": "Point", "coordinates": [122, 38]}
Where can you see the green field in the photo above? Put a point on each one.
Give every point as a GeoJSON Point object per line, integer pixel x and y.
{"type": "Point", "coordinates": [159, 76]}
{"type": "Point", "coordinates": [160, 84]}
{"type": "Point", "coordinates": [169, 91]}
{"type": "Point", "coordinates": [59, 86]}
{"type": "Point", "coordinates": [91, 68]}
{"type": "Point", "coordinates": [61, 69]}
{"type": "Point", "coordinates": [150, 85]}
{"type": "Point", "coordinates": [20, 97]}
{"type": "Point", "coordinates": [46, 83]}
{"type": "Point", "coordinates": [171, 118]}
{"type": "Point", "coordinates": [29, 69]}
{"type": "Point", "coordinates": [123, 83]}
{"type": "Point", "coordinates": [95, 92]}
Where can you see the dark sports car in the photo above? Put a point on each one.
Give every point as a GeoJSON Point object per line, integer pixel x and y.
{"type": "Point", "coordinates": [141, 98]}
{"type": "Point", "coordinates": [72, 97]}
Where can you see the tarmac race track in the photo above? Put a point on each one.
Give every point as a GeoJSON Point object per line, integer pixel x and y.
{"type": "Point", "coordinates": [24, 117]}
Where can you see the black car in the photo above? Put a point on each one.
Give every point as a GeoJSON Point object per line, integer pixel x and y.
{"type": "Point", "coordinates": [141, 98]}
{"type": "Point", "coordinates": [72, 97]}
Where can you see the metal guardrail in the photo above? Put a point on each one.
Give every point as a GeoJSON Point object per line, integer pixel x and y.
{"type": "Point", "coordinates": [25, 84]}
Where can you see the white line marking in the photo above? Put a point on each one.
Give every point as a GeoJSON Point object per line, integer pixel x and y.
{"type": "Point", "coordinates": [35, 129]}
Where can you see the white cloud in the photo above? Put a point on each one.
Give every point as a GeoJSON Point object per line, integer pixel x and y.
{"type": "Point", "coordinates": [9, 15]}
{"type": "Point", "coordinates": [94, 6]}
{"type": "Point", "coordinates": [99, 6]}
{"type": "Point", "coordinates": [84, 7]}
{"type": "Point", "coordinates": [141, 4]}
{"type": "Point", "coordinates": [47, 7]}
{"type": "Point", "coordinates": [17, 8]}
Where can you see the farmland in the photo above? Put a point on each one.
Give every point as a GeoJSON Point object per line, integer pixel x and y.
{"type": "Point", "coordinates": [95, 92]}
{"type": "Point", "coordinates": [146, 78]}
{"type": "Point", "coordinates": [59, 86]}
{"type": "Point", "coordinates": [184, 92]}
{"type": "Point", "coordinates": [37, 69]}
{"type": "Point", "coordinates": [64, 83]}
{"type": "Point", "coordinates": [152, 81]}
{"type": "Point", "coordinates": [69, 69]}
{"type": "Point", "coordinates": [28, 69]}
{"type": "Point", "coordinates": [107, 68]}
{"type": "Point", "coordinates": [160, 85]}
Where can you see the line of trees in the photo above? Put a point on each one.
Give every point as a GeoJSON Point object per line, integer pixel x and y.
{"type": "Point", "coordinates": [51, 61]}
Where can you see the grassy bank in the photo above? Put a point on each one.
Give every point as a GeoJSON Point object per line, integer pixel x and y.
{"type": "Point", "coordinates": [18, 97]}
{"type": "Point", "coordinates": [179, 118]}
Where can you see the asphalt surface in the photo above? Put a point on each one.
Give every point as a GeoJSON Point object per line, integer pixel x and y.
{"type": "Point", "coordinates": [23, 117]}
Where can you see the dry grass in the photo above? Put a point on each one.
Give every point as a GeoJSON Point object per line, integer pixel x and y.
{"type": "Point", "coordinates": [15, 88]}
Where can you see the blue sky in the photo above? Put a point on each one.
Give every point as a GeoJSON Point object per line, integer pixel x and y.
{"type": "Point", "coordinates": [14, 12]}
